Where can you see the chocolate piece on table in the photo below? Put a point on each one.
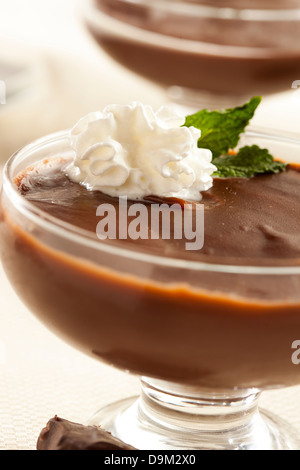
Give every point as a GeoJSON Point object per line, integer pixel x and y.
{"type": "Point", "coordinates": [60, 434]}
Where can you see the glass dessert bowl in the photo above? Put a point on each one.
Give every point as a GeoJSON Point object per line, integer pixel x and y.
{"type": "Point", "coordinates": [206, 338]}
{"type": "Point", "coordinates": [204, 53]}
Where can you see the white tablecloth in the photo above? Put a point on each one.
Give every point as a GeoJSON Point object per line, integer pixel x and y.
{"type": "Point", "coordinates": [40, 376]}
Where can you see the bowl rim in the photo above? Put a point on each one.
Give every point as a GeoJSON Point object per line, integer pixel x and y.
{"type": "Point", "coordinates": [99, 20]}
{"type": "Point", "coordinates": [205, 10]}
{"type": "Point", "coordinates": [83, 237]}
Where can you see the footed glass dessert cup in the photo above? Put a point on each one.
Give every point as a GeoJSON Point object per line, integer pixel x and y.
{"type": "Point", "coordinates": [204, 53]}
{"type": "Point", "coordinates": [206, 338]}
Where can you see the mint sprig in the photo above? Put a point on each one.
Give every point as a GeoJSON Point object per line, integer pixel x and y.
{"type": "Point", "coordinates": [221, 131]}
{"type": "Point", "coordinates": [249, 161]}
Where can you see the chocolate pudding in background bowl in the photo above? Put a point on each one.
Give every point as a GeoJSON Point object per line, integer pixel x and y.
{"type": "Point", "coordinates": [207, 331]}
{"type": "Point", "coordinates": [206, 54]}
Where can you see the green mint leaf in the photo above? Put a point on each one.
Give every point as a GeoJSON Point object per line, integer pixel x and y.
{"type": "Point", "coordinates": [221, 130]}
{"type": "Point", "coordinates": [249, 161]}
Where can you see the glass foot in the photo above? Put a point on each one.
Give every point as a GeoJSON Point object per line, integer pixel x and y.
{"type": "Point", "coordinates": [159, 420]}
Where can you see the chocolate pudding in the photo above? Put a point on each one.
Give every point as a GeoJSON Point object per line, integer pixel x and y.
{"type": "Point", "coordinates": [262, 212]}
{"type": "Point", "coordinates": [168, 320]}
{"type": "Point", "coordinates": [237, 56]}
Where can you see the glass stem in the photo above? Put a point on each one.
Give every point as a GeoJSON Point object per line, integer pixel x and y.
{"type": "Point", "coordinates": [170, 416]}
{"type": "Point", "coordinates": [189, 409]}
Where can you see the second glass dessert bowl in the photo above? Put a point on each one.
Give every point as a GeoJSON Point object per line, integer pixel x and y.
{"type": "Point", "coordinates": [205, 338]}
{"type": "Point", "coordinates": [206, 54]}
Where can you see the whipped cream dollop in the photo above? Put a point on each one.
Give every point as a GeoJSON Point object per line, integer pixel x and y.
{"type": "Point", "coordinates": [135, 152]}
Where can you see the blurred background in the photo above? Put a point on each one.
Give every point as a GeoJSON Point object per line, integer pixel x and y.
{"type": "Point", "coordinates": [62, 59]}
{"type": "Point", "coordinates": [53, 71]}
